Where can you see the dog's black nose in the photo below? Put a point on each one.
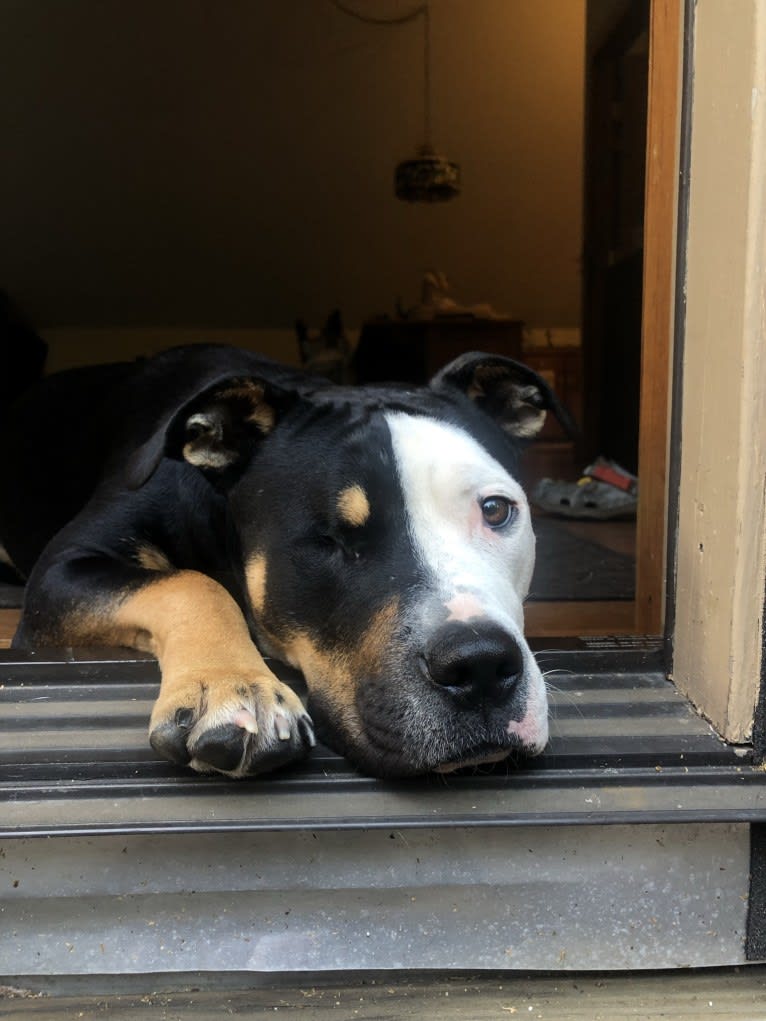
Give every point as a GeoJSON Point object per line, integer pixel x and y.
{"type": "Point", "coordinates": [475, 661]}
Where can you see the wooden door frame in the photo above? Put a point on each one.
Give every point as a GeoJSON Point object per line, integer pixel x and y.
{"type": "Point", "coordinates": [661, 204]}
{"type": "Point", "coordinates": [718, 568]}
{"type": "Point", "coordinates": [646, 615]}
{"type": "Point", "coordinates": [701, 543]}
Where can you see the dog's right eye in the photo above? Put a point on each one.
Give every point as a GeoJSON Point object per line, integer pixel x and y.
{"type": "Point", "coordinates": [327, 543]}
{"type": "Point", "coordinates": [332, 545]}
{"type": "Point", "coordinates": [498, 511]}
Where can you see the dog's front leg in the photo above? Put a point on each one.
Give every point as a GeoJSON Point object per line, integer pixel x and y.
{"type": "Point", "coordinates": [220, 708]}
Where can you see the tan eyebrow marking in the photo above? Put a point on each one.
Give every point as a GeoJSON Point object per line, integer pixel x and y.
{"type": "Point", "coordinates": [353, 505]}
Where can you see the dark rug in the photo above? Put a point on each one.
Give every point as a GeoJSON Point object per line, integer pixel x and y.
{"type": "Point", "coordinates": [10, 596]}
{"type": "Point", "coordinates": [571, 568]}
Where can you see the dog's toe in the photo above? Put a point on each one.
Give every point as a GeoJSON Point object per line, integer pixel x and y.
{"type": "Point", "coordinates": [221, 748]}
{"type": "Point", "coordinates": [282, 735]}
{"type": "Point", "coordinates": [169, 738]}
{"type": "Point", "coordinates": [236, 751]}
{"type": "Point", "coordinates": [273, 756]}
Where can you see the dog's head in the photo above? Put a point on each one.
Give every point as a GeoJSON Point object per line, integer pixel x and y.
{"type": "Point", "coordinates": [387, 550]}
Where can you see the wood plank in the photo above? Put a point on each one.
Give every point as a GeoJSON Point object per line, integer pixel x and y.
{"type": "Point", "coordinates": [564, 619]}
{"type": "Point", "coordinates": [9, 620]}
{"type": "Point", "coordinates": [543, 620]}
{"type": "Point", "coordinates": [721, 559]}
{"type": "Point", "coordinates": [662, 149]}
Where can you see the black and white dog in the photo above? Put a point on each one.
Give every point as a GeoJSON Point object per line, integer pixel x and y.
{"type": "Point", "coordinates": [208, 503]}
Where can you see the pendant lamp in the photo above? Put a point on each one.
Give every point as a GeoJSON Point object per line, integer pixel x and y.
{"type": "Point", "coordinates": [428, 176]}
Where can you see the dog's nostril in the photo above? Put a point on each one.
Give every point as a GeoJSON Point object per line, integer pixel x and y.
{"type": "Point", "coordinates": [475, 660]}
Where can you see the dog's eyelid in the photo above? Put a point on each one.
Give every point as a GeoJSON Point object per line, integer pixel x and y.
{"type": "Point", "coordinates": [334, 546]}
{"type": "Point", "coordinates": [326, 536]}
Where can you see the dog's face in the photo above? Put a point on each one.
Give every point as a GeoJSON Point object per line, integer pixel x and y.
{"type": "Point", "coordinates": [387, 553]}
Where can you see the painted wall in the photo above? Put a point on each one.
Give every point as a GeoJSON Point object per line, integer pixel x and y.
{"type": "Point", "coordinates": [229, 163]}
{"type": "Point", "coordinates": [721, 540]}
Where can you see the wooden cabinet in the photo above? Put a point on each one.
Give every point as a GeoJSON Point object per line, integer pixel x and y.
{"type": "Point", "coordinates": [552, 454]}
{"type": "Point", "coordinates": [561, 368]}
{"type": "Point", "coordinates": [391, 349]}
{"type": "Point", "coordinates": [400, 350]}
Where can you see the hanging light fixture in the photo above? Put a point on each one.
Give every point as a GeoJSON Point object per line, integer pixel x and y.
{"type": "Point", "coordinates": [428, 176]}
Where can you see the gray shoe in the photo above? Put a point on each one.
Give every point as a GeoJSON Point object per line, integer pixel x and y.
{"type": "Point", "coordinates": [591, 497]}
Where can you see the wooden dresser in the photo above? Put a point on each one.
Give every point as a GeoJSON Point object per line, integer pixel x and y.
{"type": "Point", "coordinates": [411, 351]}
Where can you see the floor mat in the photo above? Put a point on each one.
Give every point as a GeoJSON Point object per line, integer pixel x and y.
{"type": "Point", "coordinates": [571, 568]}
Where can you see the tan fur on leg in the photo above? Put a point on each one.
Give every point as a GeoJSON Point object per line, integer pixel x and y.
{"type": "Point", "coordinates": [208, 661]}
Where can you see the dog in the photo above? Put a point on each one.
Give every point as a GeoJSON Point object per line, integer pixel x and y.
{"type": "Point", "coordinates": [213, 507]}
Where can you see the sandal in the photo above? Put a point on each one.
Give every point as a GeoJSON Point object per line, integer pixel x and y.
{"type": "Point", "coordinates": [605, 491]}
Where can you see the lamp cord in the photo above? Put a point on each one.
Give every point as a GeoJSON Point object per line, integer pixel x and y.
{"type": "Point", "coordinates": [397, 19]}
{"type": "Point", "coordinates": [401, 19]}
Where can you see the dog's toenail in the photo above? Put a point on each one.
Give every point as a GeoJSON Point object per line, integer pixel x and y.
{"type": "Point", "coordinates": [283, 728]}
{"type": "Point", "coordinates": [306, 728]}
{"type": "Point", "coordinates": [245, 719]}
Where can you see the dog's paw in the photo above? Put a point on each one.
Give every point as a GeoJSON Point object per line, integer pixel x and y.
{"type": "Point", "coordinates": [237, 725]}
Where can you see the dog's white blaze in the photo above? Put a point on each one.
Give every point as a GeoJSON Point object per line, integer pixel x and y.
{"type": "Point", "coordinates": [476, 572]}
{"type": "Point", "coordinates": [445, 474]}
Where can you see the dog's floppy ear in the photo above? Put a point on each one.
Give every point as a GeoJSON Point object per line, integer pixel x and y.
{"type": "Point", "coordinates": [214, 429]}
{"type": "Point", "coordinates": [509, 392]}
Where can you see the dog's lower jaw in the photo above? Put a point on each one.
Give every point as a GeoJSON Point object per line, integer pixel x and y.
{"type": "Point", "coordinates": [391, 764]}
{"type": "Point", "coordinates": [534, 739]}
